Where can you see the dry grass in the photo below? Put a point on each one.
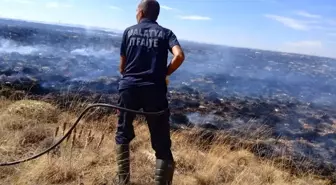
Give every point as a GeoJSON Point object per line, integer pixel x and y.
{"type": "Point", "coordinates": [28, 127]}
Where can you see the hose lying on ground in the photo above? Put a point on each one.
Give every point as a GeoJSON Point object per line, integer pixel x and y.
{"type": "Point", "coordinates": [73, 127]}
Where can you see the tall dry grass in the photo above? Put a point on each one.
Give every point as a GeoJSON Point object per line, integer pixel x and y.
{"type": "Point", "coordinates": [87, 156]}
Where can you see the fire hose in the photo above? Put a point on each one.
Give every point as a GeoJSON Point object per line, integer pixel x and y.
{"type": "Point", "coordinates": [73, 127]}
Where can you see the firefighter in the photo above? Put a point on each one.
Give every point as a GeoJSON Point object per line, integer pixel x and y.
{"type": "Point", "coordinates": [144, 69]}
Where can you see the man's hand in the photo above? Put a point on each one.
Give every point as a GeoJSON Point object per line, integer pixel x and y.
{"type": "Point", "coordinates": [167, 80]}
{"type": "Point", "coordinates": [122, 64]}
{"type": "Point", "coordinates": [177, 60]}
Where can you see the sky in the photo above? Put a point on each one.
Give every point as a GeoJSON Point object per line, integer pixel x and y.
{"type": "Point", "coordinates": [299, 26]}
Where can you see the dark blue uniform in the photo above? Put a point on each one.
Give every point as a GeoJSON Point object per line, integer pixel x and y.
{"type": "Point", "coordinates": [146, 46]}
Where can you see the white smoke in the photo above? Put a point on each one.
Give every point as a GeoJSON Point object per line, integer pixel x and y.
{"type": "Point", "coordinates": [8, 46]}
{"type": "Point", "coordinates": [100, 53]}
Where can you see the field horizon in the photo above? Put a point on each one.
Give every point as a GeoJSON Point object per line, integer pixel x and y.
{"type": "Point", "coordinates": [118, 32]}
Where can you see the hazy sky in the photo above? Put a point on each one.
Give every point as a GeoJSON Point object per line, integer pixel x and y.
{"type": "Point", "coordinates": [304, 26]}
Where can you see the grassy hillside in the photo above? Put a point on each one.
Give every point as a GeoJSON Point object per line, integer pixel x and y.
{"type": "Point", "coordinates": [27, 127]}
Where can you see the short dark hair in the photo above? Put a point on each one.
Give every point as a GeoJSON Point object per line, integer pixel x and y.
{"type": "Point", "coordinates": [151, 9]}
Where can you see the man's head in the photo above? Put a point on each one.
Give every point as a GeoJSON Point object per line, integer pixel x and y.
{"type": "Point", "coordinates": [149, 9]}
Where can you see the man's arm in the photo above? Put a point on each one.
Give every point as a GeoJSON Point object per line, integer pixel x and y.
{"type": "Point", "coordinates": [123, 53]}
{"type": "Point", "coordinates": [176, 50]}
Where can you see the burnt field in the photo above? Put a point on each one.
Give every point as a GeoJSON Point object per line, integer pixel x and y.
{"type": "Point", "coordinates": [287, 101]}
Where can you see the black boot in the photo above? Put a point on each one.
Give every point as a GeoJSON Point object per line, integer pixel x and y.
{"type": "Point", "coordinates": [164, 172]}
{"type": "Point", "coordinates": [123, 163]}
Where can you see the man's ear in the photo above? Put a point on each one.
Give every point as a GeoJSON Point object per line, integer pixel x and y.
{"type": "Point", "coordinates": [141, 14]}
